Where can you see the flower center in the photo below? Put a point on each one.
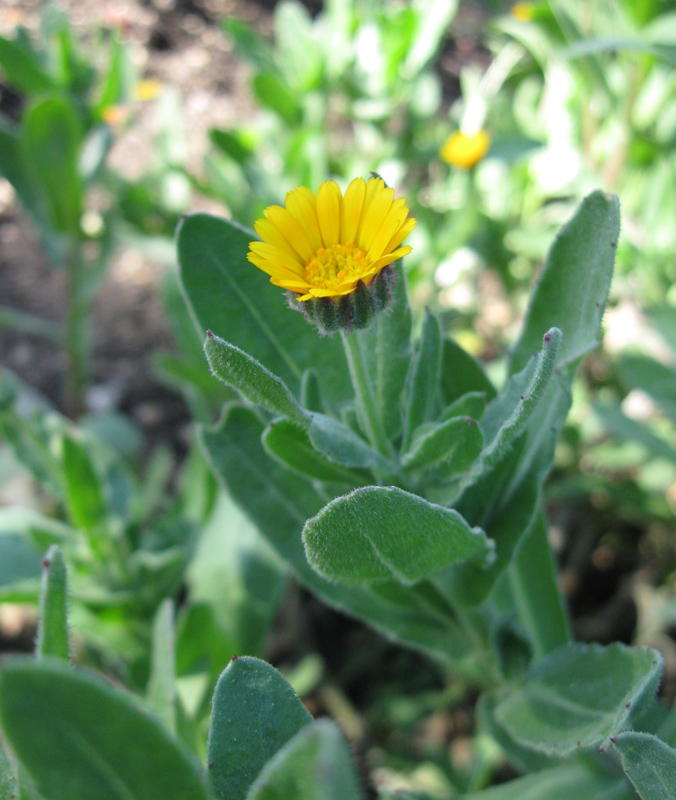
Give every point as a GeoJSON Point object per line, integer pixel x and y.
{"type": "Point", "coordinates": [331, 266]}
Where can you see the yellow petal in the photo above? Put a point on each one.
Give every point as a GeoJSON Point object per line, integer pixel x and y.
{"type": "Point", "coordinates": [393, 221]}
{"type": "Point", "coordinates": [270, 234]}
{"type": "Point", "coordinates": [290, 229]}
{"type": "Point", "coordinates": [391, 258]}
{"type": "Point", "coordinates": [328, 212]}
{"type": "Point", "coordinates": [353, 202]}
{"type": "Point", "coordinates": [407, 226]}
{"type": "Point", "coordinates": [274, 260]}
{"type": "Point", "coordinates": [303, 210]}
{"type": "Point", "coordinates": [373, 217]}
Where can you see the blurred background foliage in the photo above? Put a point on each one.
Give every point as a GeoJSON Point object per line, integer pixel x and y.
{"type": "Point", "coordinates": [571, 96]}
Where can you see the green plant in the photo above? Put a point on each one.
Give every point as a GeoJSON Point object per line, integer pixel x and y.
{"type": "Point", "coordinates": [54, 155]}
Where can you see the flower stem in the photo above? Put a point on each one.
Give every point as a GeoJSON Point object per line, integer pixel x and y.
{"type": "Point", "coordinates": [367, 410]}
{"type": "Point", "coordinates": [76, 334]}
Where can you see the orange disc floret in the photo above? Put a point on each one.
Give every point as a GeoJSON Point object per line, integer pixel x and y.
{"type": "Point", "coordinates": [323, 246]}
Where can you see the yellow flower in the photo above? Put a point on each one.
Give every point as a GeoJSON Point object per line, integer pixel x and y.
{"type": "Point", "coordinates": [522, 11]}
{"type": "Point", "coordinates": [465, 151]}
{"type": "Point", "coordinates": [147, 89]}
{"type": "Point", "coordinates": [323, 246]}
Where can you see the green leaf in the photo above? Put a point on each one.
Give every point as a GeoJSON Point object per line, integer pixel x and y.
{"type": "Point", "coordinates": [449, 448]}
{"type": "Point", "coordinates": [84, 490]}
{"type": "Point", "coordinates": [579, 696]}
{"type": "Point", "coordinates": [231, 296]}
{"type": "Point", "coordinates": [530, 583]}
{"type": "Point", "coordinates": [377, 533]}
{"type": "Point", "coordinates": [315, 765]}
{"type": "Point", "coordinates": [161, 690]}
{"type": "Point", "coordinates": [239, 370]}
{"type": "Point", "coordinates": [560, 783]}
{"type": "Point", "coordinates": [514, 414]}
{"type": "Point", "coordinates": [654, 378]}
{"type": "Point", "coordinates": [573, 288]}
{"type": "Point", "coordinates": [649, 763]}
{"type": "Point", "coordinates": [472, 404]}
{"type": "Point", "coordinates": [255, 712]}
{"type": "Point", "coordinates": [51, 137]}
{"type": "Point", "coordinates": [623, 427]}
{"type": "Point", "coordinates": [424, 378]}
{"type": "Point", "coordinates": [342, 445]}
{"type": "Point", "coordinates": [22, 68]}
{"type": "Point", "coordinates": [53, 621]}
{"type": "Point", "coordinates": [434, 17]}
{"type": "Point", "coordinates": [239, 575]}
{"type": "Point", "coordinates": [19, 559]}
{"type": "Point", "coordinates": [279, 503]}
{"type": "Point", "coordinates": [292, 446]}
{"type": "Point", "coordinates": [274, 94]}
{"type": "Point", "coordinates": [387, 352]}
{"type": "Point", "coordinates": [82, 739]}
{"type": "Point", "coordinates": [8, 785]}
{"type": "Point", "coordinates": [461, 374]}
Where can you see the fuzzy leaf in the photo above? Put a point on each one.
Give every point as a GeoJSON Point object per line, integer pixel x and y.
{"type": "Point", "coordinates": [579, 696]}
{"type": "Point", "coordinates": [255, 712]}
{"type": "Point", "coordinates": [573, 287]}
{"type": "Point", "coordinates": [53, 622]}
{"type": "Point", "coordinates": [649, 763]}
{"type": "Point", "coordinates": [82, 739]}
{"type": "Point", "coordinates": [423, 391]}
{"type": "Point", "coordinates": [315, 765]}
{"type": "Point", "coordinates": [239, 370]}
{"type": "Point", "coordinates": [292, 446]}
{"type": "Point", "coordinates": [378, 533]}
{"type": "Point", "coordinates": [449, 448]}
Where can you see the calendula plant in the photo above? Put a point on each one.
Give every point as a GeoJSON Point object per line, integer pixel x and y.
{"type": "Point", "coordinates": [400, 486]}
{"type": "Point", "coordinates": [54, 155]}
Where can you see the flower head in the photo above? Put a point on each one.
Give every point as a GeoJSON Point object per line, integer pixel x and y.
{"type": "Point", "coordinates": [464, 150]}
{"type": "Point", "coordinates": [324, 246]}
{"type": "Point", "coordinates": [522, 11]}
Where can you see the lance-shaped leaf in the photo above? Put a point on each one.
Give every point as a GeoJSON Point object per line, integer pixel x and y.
{"type": "Point", "coordinates": [53, 622]}
{"type": "Point", "coordinates": [448, 449]}
{"type": "Point", "coordinates": [79, 738]}
{"type": "Point", "coordinates": [508, 415]}
{"type": "Point", "coordinates": [8, 787]}
{"type": "Point", "coordinates": [472, 404]}
{"type": "Point", "coordinates": [579, 696]}
{"type": "Point", "coordinates": [649, 763]}
{"type": "Point", "coordinates": [379, 533]}
{"type": "Point", "coordinates": [559, 783]}
{"type": "Point", "coordinates": [239, 370]}
{"type": "Point", "coordinates": [161, 689]}
{"type": "Point", "coordinates": [51, 137]}
{"type": "Point", "coordinates": [255, 712]}
{"type": "Point", "coordinates": [461, 374]}
{"type": "Point", "coordinates": [423, 390]}
{"type": "Point", "coordinates": [293, 447]}
{"type": "Point", "coordinates": [573, 287]}
{"type": "Point", "coordinates": [315, 765]}
{"type": "Point", "coordinates": [387, 351]}
{"type": "Point", "coordinates": [227, 294]}
{"type": "Point", "coordinates": [342, 445]}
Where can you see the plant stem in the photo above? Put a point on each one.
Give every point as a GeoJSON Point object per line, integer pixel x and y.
{"type": "Point", "coordinates": [367, 411]}
{"type": "Point", "coordinates": [76, 335]}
